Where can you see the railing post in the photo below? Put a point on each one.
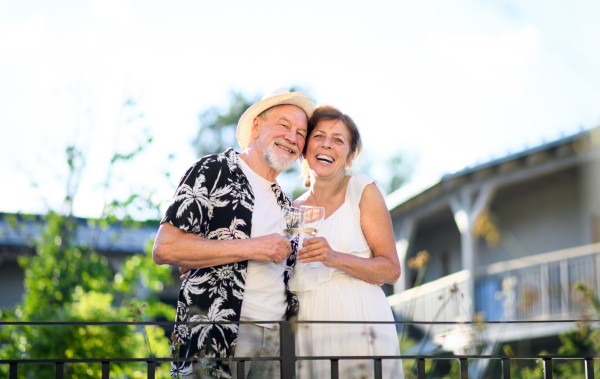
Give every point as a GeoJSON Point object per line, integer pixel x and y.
{"type": "Point", "coordinates": [13, 371]}
{"type": "Point", "coordinates": [335, 369]}
{"type": "Point", "coordinates": [464, 368]}
{"type": "Point", "coordinates": [151, 369]}
{"type": "Point", "coordinates": [505, 368]}
{"type": "Point", "coordinates": [564, 282]}
{"type": "Point", "coordinates": [378, 368]}
{"type": "Point", "coordinates": [106, 370]}
{"type": "Point", "coordinates": [288, 350]}
{"type": "Point", "coordinates": [241, 371]}
{"type": "Point", "coordinates": [60, 370]}
{"type": "Point", "coordinates": [547, 368]}
{"type": "Point", "coordinates": [545, 279]}
{"type": "Point", "coordinates": [420, 368]}
{"type": "Point", "coordinates": [589, 368]}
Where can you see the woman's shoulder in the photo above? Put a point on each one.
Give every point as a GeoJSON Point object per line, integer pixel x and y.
{"type": "Point", "coordinates": [357, 185]}
{"type": "Point", "coordinates": [361, 180]}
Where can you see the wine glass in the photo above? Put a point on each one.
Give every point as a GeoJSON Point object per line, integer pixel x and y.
{"type": "Point", "coordinates": [290, 224]}
{"type": "Point", "coordinates": [310, 223]}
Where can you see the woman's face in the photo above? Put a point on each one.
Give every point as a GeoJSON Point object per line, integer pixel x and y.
{"type": "Point", "coordinates": [328, 148]}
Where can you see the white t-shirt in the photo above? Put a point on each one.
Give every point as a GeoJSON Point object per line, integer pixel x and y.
{"type": "Point", "coordinates": [264, 294]}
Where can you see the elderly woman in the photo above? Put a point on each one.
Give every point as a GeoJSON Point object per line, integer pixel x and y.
{"type": "Point", "coordinates": [353, 256]}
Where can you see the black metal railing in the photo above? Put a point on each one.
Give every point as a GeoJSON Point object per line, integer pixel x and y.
{"type": "Point", "coordinates": [288, 357]}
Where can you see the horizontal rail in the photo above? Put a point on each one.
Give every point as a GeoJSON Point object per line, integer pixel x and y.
{"type": "Point", "coordinates": [148, 323]}
{"type": "Point", "coordinates": [300, 358]}
{"type": "Point", "coordinates": [538, 259]}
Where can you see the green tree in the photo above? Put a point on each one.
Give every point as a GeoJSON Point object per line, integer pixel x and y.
{"type": "Point", "coordinates": [391, 174]}
{"type": "Point", "coordinates": [217, 128]}
{"type": "Point", "coordinates": [398, 172]}
{"type": "Point", "coordinates": [71, 282]}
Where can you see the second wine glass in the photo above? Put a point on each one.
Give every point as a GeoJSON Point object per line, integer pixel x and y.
{"type": "Point", "coordinates": [310, 223]}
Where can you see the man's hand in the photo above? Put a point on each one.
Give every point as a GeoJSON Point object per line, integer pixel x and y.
{"type": "Point", "coordinates": [185, 271]}
{"type": "Point", "coordinates": [270, 248]}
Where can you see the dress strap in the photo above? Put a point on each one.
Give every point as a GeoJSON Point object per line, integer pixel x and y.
{"type": "Point", "coordinates": [356, 186]}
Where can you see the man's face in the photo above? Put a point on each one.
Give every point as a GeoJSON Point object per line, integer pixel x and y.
{"type": "Point", "coordinates": [281, 137]}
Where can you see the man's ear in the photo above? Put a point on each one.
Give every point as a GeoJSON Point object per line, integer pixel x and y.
{"type": "Point", "coordinates": [255, 126]}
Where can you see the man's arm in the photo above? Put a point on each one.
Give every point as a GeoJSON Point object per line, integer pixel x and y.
{"type": "Point", "coordinates": [176, 247]}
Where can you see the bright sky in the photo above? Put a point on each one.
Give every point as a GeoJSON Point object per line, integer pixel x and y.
{"type": "Point", "coordinates": [448, 82]}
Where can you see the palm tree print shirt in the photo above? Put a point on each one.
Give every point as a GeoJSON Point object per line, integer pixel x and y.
{"type": "Point", "coordinates": [215, 201]}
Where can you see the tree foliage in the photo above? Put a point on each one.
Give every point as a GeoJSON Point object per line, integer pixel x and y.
{"type": "Point", "coordinates": [398, 172]}
{"type": "Point", "coordinates": [217, 128]}
{"type": "Point", "coordinates": [70, 281]}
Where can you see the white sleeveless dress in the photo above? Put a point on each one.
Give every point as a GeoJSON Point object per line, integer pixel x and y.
{"type": "Point", "coordinates": [328, 294]}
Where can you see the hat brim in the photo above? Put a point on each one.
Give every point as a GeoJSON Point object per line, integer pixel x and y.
{"type": "Point", "coordinates": [244, 127]}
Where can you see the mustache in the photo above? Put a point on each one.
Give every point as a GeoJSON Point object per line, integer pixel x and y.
{"type": "Point", "coordinates": [282, 142]}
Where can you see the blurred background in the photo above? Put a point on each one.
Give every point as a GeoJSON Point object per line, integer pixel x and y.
{"type": "Point", "coordinates": [479, 120]}
{"type": "Point", "coordinates": [444, 85]}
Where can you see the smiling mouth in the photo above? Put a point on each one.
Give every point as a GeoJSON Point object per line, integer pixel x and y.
{"type": "Point", "coordinates": [286, 149]}
{"type": "Point", "coordinates": [325, 159]}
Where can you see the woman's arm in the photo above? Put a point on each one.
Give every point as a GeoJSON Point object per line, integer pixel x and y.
{"type": "Point", "coordinates": [376, 225]}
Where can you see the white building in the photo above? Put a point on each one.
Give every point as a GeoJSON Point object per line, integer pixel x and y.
{"type": "Point", "coordinates": [540, 212]}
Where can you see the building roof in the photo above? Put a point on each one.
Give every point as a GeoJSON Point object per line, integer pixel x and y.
{"type": "Point", "coordinates": [573, 144]}
{"type": "Point", "coordinates": [18, 232]}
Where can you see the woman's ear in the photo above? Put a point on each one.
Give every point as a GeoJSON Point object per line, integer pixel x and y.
{"type": "Point", "coordinates": [350, 159]}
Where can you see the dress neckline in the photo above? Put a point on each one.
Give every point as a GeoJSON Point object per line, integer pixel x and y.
{"type": "Point", "coordinates": [345, 199]}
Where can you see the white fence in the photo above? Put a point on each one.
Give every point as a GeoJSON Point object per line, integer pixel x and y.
{"type": "Point", "coordinates": [537, 287]}
{"type": "Point", "coordinates": [440, 300]}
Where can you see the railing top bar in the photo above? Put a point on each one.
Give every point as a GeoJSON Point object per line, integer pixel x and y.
{"type": "Point", "coordinates": [113, 323]}
{"type": "Point", "coordinates": [450, 322]}
{"type": "Point", "coordinates": [322, 357]}
{"type": "Point", "coordinates": [337, 357]}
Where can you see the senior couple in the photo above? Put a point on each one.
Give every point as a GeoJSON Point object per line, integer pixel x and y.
{"type": "Point", "coordinates": [222, 229]}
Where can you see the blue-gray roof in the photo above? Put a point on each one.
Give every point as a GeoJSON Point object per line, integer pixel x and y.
{"type": "Point", "coordinates": [112, 239]}
{"type": "Point", "coordinates": [517, 155]}
{"type": "Point", "coordinates": [414, 189]}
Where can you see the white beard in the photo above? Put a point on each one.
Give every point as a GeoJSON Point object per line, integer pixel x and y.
{"type": "Point", "coordinates": [279, 162]}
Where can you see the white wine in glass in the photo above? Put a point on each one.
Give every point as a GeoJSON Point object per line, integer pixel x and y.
{"type": "Point", "coordinates": [290, 233]}
{"type": "Point", "coordinates": [310, 223]}
{"type": "Point", "coordinates": [290, 224]}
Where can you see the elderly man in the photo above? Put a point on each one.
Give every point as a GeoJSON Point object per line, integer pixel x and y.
{"type": "Point", "coordinates": [223, 223]}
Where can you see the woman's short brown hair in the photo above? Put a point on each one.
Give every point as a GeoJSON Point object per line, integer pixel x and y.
{"type": "Point", "coordinates": [326, 113]}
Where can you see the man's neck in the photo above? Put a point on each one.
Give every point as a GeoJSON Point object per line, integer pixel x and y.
{"type": "Point", "coordinates": [256, 162]}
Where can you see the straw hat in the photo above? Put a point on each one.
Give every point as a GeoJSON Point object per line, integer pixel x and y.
{"type": "Point", "coordinates": [278, 97]}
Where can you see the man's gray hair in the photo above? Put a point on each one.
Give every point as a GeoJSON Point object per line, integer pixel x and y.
{"type": "Point", "coordinates": [264, 115]}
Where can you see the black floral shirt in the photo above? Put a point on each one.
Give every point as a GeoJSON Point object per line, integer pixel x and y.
{"type": "Point", "coordinates": [214, 200]}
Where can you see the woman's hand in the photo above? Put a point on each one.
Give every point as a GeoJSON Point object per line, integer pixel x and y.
{"type": "Point", "coordinates": [317, 249]}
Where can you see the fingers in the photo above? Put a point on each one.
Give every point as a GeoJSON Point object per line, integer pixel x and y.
{"type": "Point", "coordinates": [310, 255]}
{"type": "Point", "coordinates": [272, 248]}
{"type": "Point", "coordinates": [185, 271]}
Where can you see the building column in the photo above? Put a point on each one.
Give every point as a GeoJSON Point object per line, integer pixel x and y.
{"type": "Point", "coordinates": [404, 240]}
{"type": "Point", "coordinates": [465, 210]}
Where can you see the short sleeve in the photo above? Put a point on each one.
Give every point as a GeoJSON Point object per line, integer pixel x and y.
{"type": "Point", "coordinates": [356, 186]}
{"type": "Point", "coordinates": [189, 207]}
